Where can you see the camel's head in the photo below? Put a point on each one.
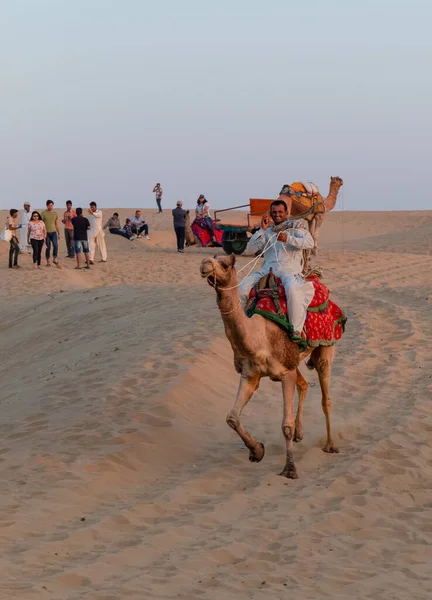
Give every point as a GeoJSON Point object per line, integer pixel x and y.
{"type": "Point", "coordinates": [219, 270]}
{"type": "Point", "coordinates": [337, 181]}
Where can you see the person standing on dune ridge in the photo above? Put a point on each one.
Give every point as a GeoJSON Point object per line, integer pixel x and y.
{"type": "Point", "coordinates": [158, 191]}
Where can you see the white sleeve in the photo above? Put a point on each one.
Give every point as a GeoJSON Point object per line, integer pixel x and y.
{"type": "Point", "coordinates": [299, 238]}
{"type": "Point", "coordinates": [257, 242]}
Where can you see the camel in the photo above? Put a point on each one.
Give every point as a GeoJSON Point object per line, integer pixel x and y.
{"type": "Point", "coordinates": [298, 206]}
{"type": "Point", "coordinates": [190, 238]}
{"type": "Point", "coordinates": [262, 349]}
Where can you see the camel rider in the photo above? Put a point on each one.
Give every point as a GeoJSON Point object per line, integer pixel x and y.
{"type": "Point", "coordinates": [285, 239]}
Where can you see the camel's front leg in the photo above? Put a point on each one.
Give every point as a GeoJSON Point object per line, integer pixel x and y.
{"type": "Point", "coordinates": [246, 388]}
{"type": "Point", "coordinates": [288, 428]}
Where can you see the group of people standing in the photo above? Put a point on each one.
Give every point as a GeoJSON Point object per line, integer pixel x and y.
{"type": "Point", "coordinates": [82, 235]}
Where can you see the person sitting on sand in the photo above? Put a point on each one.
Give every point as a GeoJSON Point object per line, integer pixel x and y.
{"type": "Point", "coordinates": [127, 228]}
{"type": "Point", "coordinates": [139, 225]}
{"type": "Point", "coordinates": [203, 218]}
{"type": "Point", "coordinates": [81, 227]}
{"type": "Point", "coordinates": [114, 226]}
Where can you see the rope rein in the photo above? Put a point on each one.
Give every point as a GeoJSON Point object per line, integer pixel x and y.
{"type": "Point", "coordinates": [268, 245]}
{"type": "Point", "coordinates": [254, 261]}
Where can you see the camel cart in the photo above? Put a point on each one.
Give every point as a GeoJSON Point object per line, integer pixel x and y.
{"type": "Point", "coordinates": [238, 227]}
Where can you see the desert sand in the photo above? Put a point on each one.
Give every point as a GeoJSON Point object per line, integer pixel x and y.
{"type": "Point", "coordinates": [121, 479]}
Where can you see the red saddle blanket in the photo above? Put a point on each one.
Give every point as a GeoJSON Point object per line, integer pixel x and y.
{"type": "Point", "coordinates": [325, 321]}
{"type": "Point", "coordinates": [201, 229]}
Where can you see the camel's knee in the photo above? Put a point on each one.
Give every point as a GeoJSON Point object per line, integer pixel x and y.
{"type": "Point", "coordinates": [233, 420]}
{"type": "Point", "coordinates": [302, 387]}
{"type": "Point", "coordinates": [323, 366]}
{"type": "Point", "coordinates": [288, 431]}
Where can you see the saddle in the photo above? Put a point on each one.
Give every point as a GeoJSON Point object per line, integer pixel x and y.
{"type": "Point", "coordinates": [325, 321]}
{"type": "Point", "coordinates": [306, 194]}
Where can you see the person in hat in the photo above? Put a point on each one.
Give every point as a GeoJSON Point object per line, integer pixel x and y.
{"type": "Point", "coordinates": [25, 219]}
{"type": "Point", "coordinates": [179, 222]}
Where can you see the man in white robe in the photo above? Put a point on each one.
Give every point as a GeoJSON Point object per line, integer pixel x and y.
{"type": "Point", "coordinates": [285, 257]}
{"type": "Point", "coordinates": [96, 234]}
{"type": "Point", "coordinates": [25, 219]}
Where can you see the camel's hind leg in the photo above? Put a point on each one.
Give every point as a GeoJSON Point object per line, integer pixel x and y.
{"type": "Point", "coordinates": [322, 359]}
{"type": "Point", "coordinates": [246, 388]}
{"type": "Point", "coordinates": [288, 390]}
{"type": "Point", "coordinates": [302, 388]}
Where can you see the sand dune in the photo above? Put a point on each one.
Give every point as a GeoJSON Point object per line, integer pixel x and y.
{"type": "Point", "coordinates": [121, 478]}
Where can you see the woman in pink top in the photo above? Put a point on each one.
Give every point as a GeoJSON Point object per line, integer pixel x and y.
{"type": "Point", "coordinates": [36, 236]}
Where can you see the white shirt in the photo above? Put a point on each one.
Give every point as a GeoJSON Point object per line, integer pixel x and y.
{"type": "Point", "coordinates": [203, 207]}
{"type": "Point", "coordinates": [25, 218]}
{"type": "Point", "coordinates": [95, 223]}
{"type": "Point", "coordinates": [137, 220]}
{"type": "Point", "coordinates": [282, 256]}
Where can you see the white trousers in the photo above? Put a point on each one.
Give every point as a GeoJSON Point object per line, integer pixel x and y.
{"type": "Point", "coordinates": [299, 294]}
{"type": "Point", "coordinates": [24, 247]}
{"type": "Point", "coordinates": [99, 240]}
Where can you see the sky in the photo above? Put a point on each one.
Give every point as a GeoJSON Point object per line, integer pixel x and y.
{"type": "Point", "coordinates": [101, 99]}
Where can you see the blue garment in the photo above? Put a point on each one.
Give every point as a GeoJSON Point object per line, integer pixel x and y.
{"type": "Point", "coordinates": [51, 238]}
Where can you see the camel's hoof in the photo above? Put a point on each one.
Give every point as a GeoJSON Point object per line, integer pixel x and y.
{"type": "Point", "coordinates": [331, 449]}
{"type": "Point", "coordinates": [289, 472]}
{"type": "Point", "coordinates": [257, 454]}
{"type": "Point", "coordinates": [298, 436]}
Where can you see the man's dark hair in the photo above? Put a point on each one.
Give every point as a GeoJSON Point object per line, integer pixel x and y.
{"type": "Point", "coordinates": [93, 204]}
{"type": "Point", "coordinates": [279, 203]}
{"type": "Point", "coordinates": [48, 202]}
{"type": "Point", "coordinates": [12, 211]}
{"type": "Point", "coordinates": [69, 202]}
{"type": "Point", "coordinates": [115, 215]}
{"type": "Point", "coordinates": [78, 211]}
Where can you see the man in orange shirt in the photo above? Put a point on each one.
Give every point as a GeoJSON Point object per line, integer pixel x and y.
{"type": "Point", "coordinates": [68, 215]}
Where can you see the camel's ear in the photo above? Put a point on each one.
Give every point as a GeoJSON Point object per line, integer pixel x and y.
{"type": "Point", "coordinates": [232, 258]}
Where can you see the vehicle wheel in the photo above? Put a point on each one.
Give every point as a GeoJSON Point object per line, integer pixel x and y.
{"type": "Point", "coordinates": [238, 246]}
{"type": "Point", "coordinates": [226, 244]}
